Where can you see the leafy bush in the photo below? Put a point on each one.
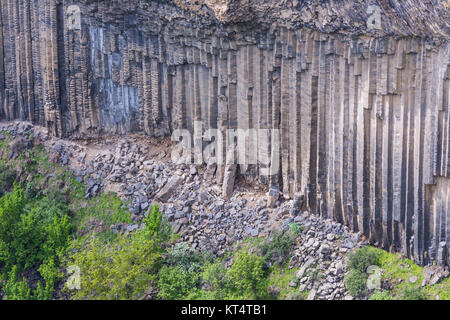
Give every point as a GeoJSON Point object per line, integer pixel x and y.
{"type": "Point", "coordinates": [413, 293]}
{"type": "Point", "coordinates": [176, 283]}
{"type": "Point", "coordinates": [32, 235]}
{"type": "Point", "coordinates": [31, 190]}
{"type": "Point", "coordinates": [7, 177]}
{"type": "Point", "coordinates": [381, 295]}
{"type": "Point", "coordinates": [29, 236]}
{"type": "Point", "coordinates": [50, 273]}
{"type": "Point", "coordinates": [15, 289]}
{"type": "Point", "coordinates": [295, 229]}
{"type": "Point", "coordinates": [246, 277]}
{"type": "Point", "coordinates": [355, 282]}
{"type": "Point", "coordinates": [277, 247]}
{"type": "Point", "coordinates": [362, 258]}
{"type": "Point", "coordinates": [124, 268]}
{"type": "Point", "coordinates": [120, 270]}
{"type": "Point", "coordinates": [215, 278]}
{"type": "Point", "coordinates": [186, 258]}
{"type": "Point", "coordinates": [11, 208]}
{"type": "Point", "coordinates": [158, 228]}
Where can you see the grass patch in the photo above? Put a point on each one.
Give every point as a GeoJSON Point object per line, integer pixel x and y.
{"type": "Point", "coordinates": [441, 290]}
{"type": "Point", "coordinates": [381, 295]}
{"type": "Point", "coordinates": [107, 208]}
{"type": "Point", "coordinates": [280, 277]}
{"type": "Point", "coordinates": [398, 270]}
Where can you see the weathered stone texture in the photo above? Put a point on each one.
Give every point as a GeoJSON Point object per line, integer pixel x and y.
{"type": "Point", "coordinates": [358, 90]}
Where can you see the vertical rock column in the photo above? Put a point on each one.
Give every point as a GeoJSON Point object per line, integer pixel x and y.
{"type": "Point", "coordinates": [9, 60]}
{"type": "Point", "coordinates": [222, 110]}
{"type": "Point", "coordinates": [2, 69]}
{"type": "Point", "coordinates": [52, 105]}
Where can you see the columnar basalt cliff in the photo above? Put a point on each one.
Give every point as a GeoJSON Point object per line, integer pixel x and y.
{"type": "Point", "coordinates": [359, 91]}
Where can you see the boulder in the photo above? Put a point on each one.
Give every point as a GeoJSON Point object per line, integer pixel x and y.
{"type": "Point", "coordinates": [273, 195]}
{"type": "Point", "coordinates": [228, 181]}
{"type": "Point", "coordinates": [169, 188]}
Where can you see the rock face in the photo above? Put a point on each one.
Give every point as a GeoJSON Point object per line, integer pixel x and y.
{"type": "Point", "coordinates": [356, 92]}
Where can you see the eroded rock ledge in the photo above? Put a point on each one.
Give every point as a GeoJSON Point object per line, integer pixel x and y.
{"type": "Point", "coordinates": [358, 90]}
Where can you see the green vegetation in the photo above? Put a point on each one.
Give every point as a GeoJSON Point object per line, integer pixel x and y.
{"type": "Point", "coordinates": [246, 276]}
{"type": "Point", "coordinates": [248, 272]}
{"type": "Point", "coordinates": [176, 283]}
{"type": "Point", "coordinates": [398, 270]}
{"type": "Point", "coordinates": [277, 249]}
{"type": "Point", "coordinates": [396, 274]}
{"type": "Point", "coordinates": [95, 215]}
{"type": "Point", "coordinates": [279, 280]}
{"type": "Point", "coordinates": [441, 290]}
{"type": "Point", "coordinates": [42, 216]}
{"type": "Point", "coordinates": [413, 293]}
{"type": "Point", "coordinates": [187, 259]}
{"type": "Point", "coordinates": [125, 267]}
{"type": "Point", "coordinates": [7, 177]}
{"type": "Point", "coordinates": [363, 258]}
{"type": "Point", "coordinates": [359, 261]}
{"type": "Point", "coordinates": [381, 295]}
{"type": "Point", "coordinates": [33, 234]}
{"type": "Point", "coordinates": [15, 289]}
{"type": "Point", "coordinates": [355, 282]}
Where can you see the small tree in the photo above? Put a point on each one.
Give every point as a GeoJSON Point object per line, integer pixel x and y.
{"type": "Point", "coordinates": [246, 275]}
{"type": "Point", "coordinates": [363, 258]}
{"type": "Point", "coordinates": [124, 268]}
{"type": "Point", "coordinates": [355, 282]}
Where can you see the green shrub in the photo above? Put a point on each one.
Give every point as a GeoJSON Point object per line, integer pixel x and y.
{"type": "Point", "coordinates": [32, 235]}
{"type": "Point", "coordinates": [214, 277]}
{"type": "Point", "coordinates": [31, 190]}
{"type": "Point", "coordinates": [158, 228]}
{"type": "Point", "coordinates": [246, 277]}
{"type": "Point", "coordinates": [29, 236]}
{"type": "Point", "coordinates": [186, 258]}
{"type": "Point", "coordinates": [381, 295]}
{"type": "Point", "coordinates": [15, 289]}
{"type": "Point", "coordinates": [120, 270]}
{"type": "Point", "coordinates": [176, 283]}
{"type": "Point", "coordinates": [362, 258]}
{"type": "Point", "coordinates": [50, 273]}
{"type": "Point", "coordinates": [295, 229]}
{"type": "Point", "coordinates": [7, 177]}
{"type": "Point", "coordinates": [277, 248]}
{"type": "Point", "coordinates": [11, 208]}
{"type": "Point", "coordinates": [355, 282]}
{"type": "Point", "coordinates": [413, 293]}
{"type": "Point", "coordinates": [124, 268]}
